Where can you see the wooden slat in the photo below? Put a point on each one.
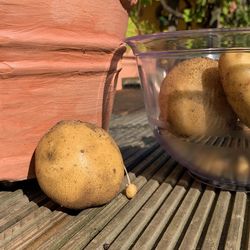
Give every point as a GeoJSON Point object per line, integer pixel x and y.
{"type": "Point", "coordinates": [129, 152]}
{"type": "Point", "coordinates": [149, 158]}
{"type": "Point", "coordinates": [154, 166]}
{"type": "Point", "coordinates": [206, 140]}
{"type": "Point", "coordinates": [246, 227]}
{"type": "Point", "coordinates": [128, 125]}
{"type": "Point", "coordinates": [135, 131]}
{"type": "Point", "coordinates": [63, 235]}
{"type": "Point", "coordinates": [158, 216]}
{"type": "Point", "coordinates": [242, 144]}
{"type": "Point", "coordinates": [121, 120]}
{"type": "Point", "coordinates": [16, 215]}
{"type": "Point", "coordinates": [144, 215]}
{"type": "Point", "coordinates": [13, 207]}
{"type": "Point", "coordinates": [49, 205]}
{"type": "Point", "coordinates": [19, 212]}
{"type": "Point", "coordinates": [102, 217]}
{"type": "Point", "coordinates": [82, 238]}
{"type": "Point", "coordinates": [217, 222]}
{"type": "Point", "coordinates": [57, 226]}
{"type": "Point", "coordinates": [19, 227]}
{"type": "Point", "coordinates": [4, 195]}
{"type": "Point", "coordinates": [234, 236]}
{"type": "Point", "coordinates": [212, 140]}
{"type": "Point", "coordinates": [141, 156]}
{"type": "Point", "coordinates": [131, 138]}
{"type": "Point", "coordinates": [22, 240]}
{"type": "Point", "coordinates": [197, 224]}
{"type": "Point", "coordinates": [10, 199]}
{"type": "Point", "coordinates": [162, 217]}
{"type": "Point", "coordinates": [146, 164]}
{"type": "Point", "coordinates": [174, 230]}
{"type": "Point", "coordinates": [125, 215]}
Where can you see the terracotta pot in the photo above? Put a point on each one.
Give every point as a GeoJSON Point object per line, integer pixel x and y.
{"type": "Point", "coordinates": [58, 60]}
{"type": "Point", "coordinates": [129, 71]}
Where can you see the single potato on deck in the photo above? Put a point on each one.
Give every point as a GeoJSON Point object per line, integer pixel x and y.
{"type": "Point", "coordinates": [78, 165]}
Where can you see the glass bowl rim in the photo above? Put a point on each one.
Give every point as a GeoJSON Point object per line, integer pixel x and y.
{"type": "Point", "coordinates": [131, 41]}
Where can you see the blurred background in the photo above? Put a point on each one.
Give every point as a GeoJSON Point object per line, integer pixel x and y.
{"type": "Point", "coordinates": [150, 16]}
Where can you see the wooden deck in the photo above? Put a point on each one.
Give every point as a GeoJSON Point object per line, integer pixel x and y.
{"type": "Point", "coordinates": [170, 211]}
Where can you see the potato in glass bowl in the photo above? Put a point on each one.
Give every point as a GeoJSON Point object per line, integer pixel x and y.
{"type": "Point", "coordinates": [196, 88]}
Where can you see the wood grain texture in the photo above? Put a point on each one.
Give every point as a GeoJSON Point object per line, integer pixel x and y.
{"type": "Point", "coordinates": [198, 221]}
{"type": "Point", "coordinates": [174, 230]}
{"type": "Point", "coordinates": [217, 222]}
{"type": "Point", "coordinates": [132, 231]}
{"type": "Point", "coordinates": [154, 229]}
{"type": "Point", "coordinates": [127, 213]}
{"type": "Point", "coordinates": [235, 231]}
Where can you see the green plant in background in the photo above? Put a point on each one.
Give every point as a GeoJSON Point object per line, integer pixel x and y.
{"type": "Point", "coordinates": [137, 25]}
{"type": "Point", "coordinates": [189, 13]}
{"type": "Point", "coordinates": [223, 13]}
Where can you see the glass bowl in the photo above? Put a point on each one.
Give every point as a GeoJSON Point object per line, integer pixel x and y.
{"type": "Point", "coordinates": [196, 86]}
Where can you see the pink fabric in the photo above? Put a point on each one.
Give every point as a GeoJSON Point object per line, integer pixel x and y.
{"type": "Point", "coordinates": [58, 60]}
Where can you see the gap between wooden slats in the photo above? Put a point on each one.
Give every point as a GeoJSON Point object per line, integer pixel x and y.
{"type": "Point", "coordinates": [139, 157]}
{"type": "Point", "coordinates": [14, 206]}
{"type": "Point", "coordinates": [217, 222]}
{"type": "Point", "coordinates": [106, 212]}
{"type": "Point", "coordinates": [22, 225]}
{"type": "Point", "coordinates": [58, 225]}
{"type": "Point", "coordinates": [146, 162]}
{"type": "Point", "coordinates": [142, 166]}
{"type": "Point", "coordinates": [4, 195]}
{"type": "Point", "coordinates": [120, 120]}
{"type": "Point", "coordinates": [129, 135]}
{"type": "Point", "coordinates": [198, 221]}
{"type": "Point", "coordinates": [175, 228]}
{"type": "Point", "coordinates": [10, 200]}
{"type": "Point", "coordinates": [234, 235]}
{"type": "Point", "coordinates": [22, 240]}
{"type": "Point", "coordinates": [245, 243]}
{"type": "Point", "coordinates": [16, 215]}
{"type": "Point", "coordinates": [82, 238]}
{"type": "Point", "coordinates": [149, 237]}
{"type": "Point", "coordinates": [132, 231]}
{"type": "Point", "coordinates": [123, 218]}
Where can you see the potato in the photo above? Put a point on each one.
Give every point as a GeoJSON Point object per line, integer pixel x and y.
{"type": "Point", "coordinates": [192, 101]}
{"type": "Point", "coordinates": [235, 74]}
{"type": "Point", "coordinates": [78, 165]}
